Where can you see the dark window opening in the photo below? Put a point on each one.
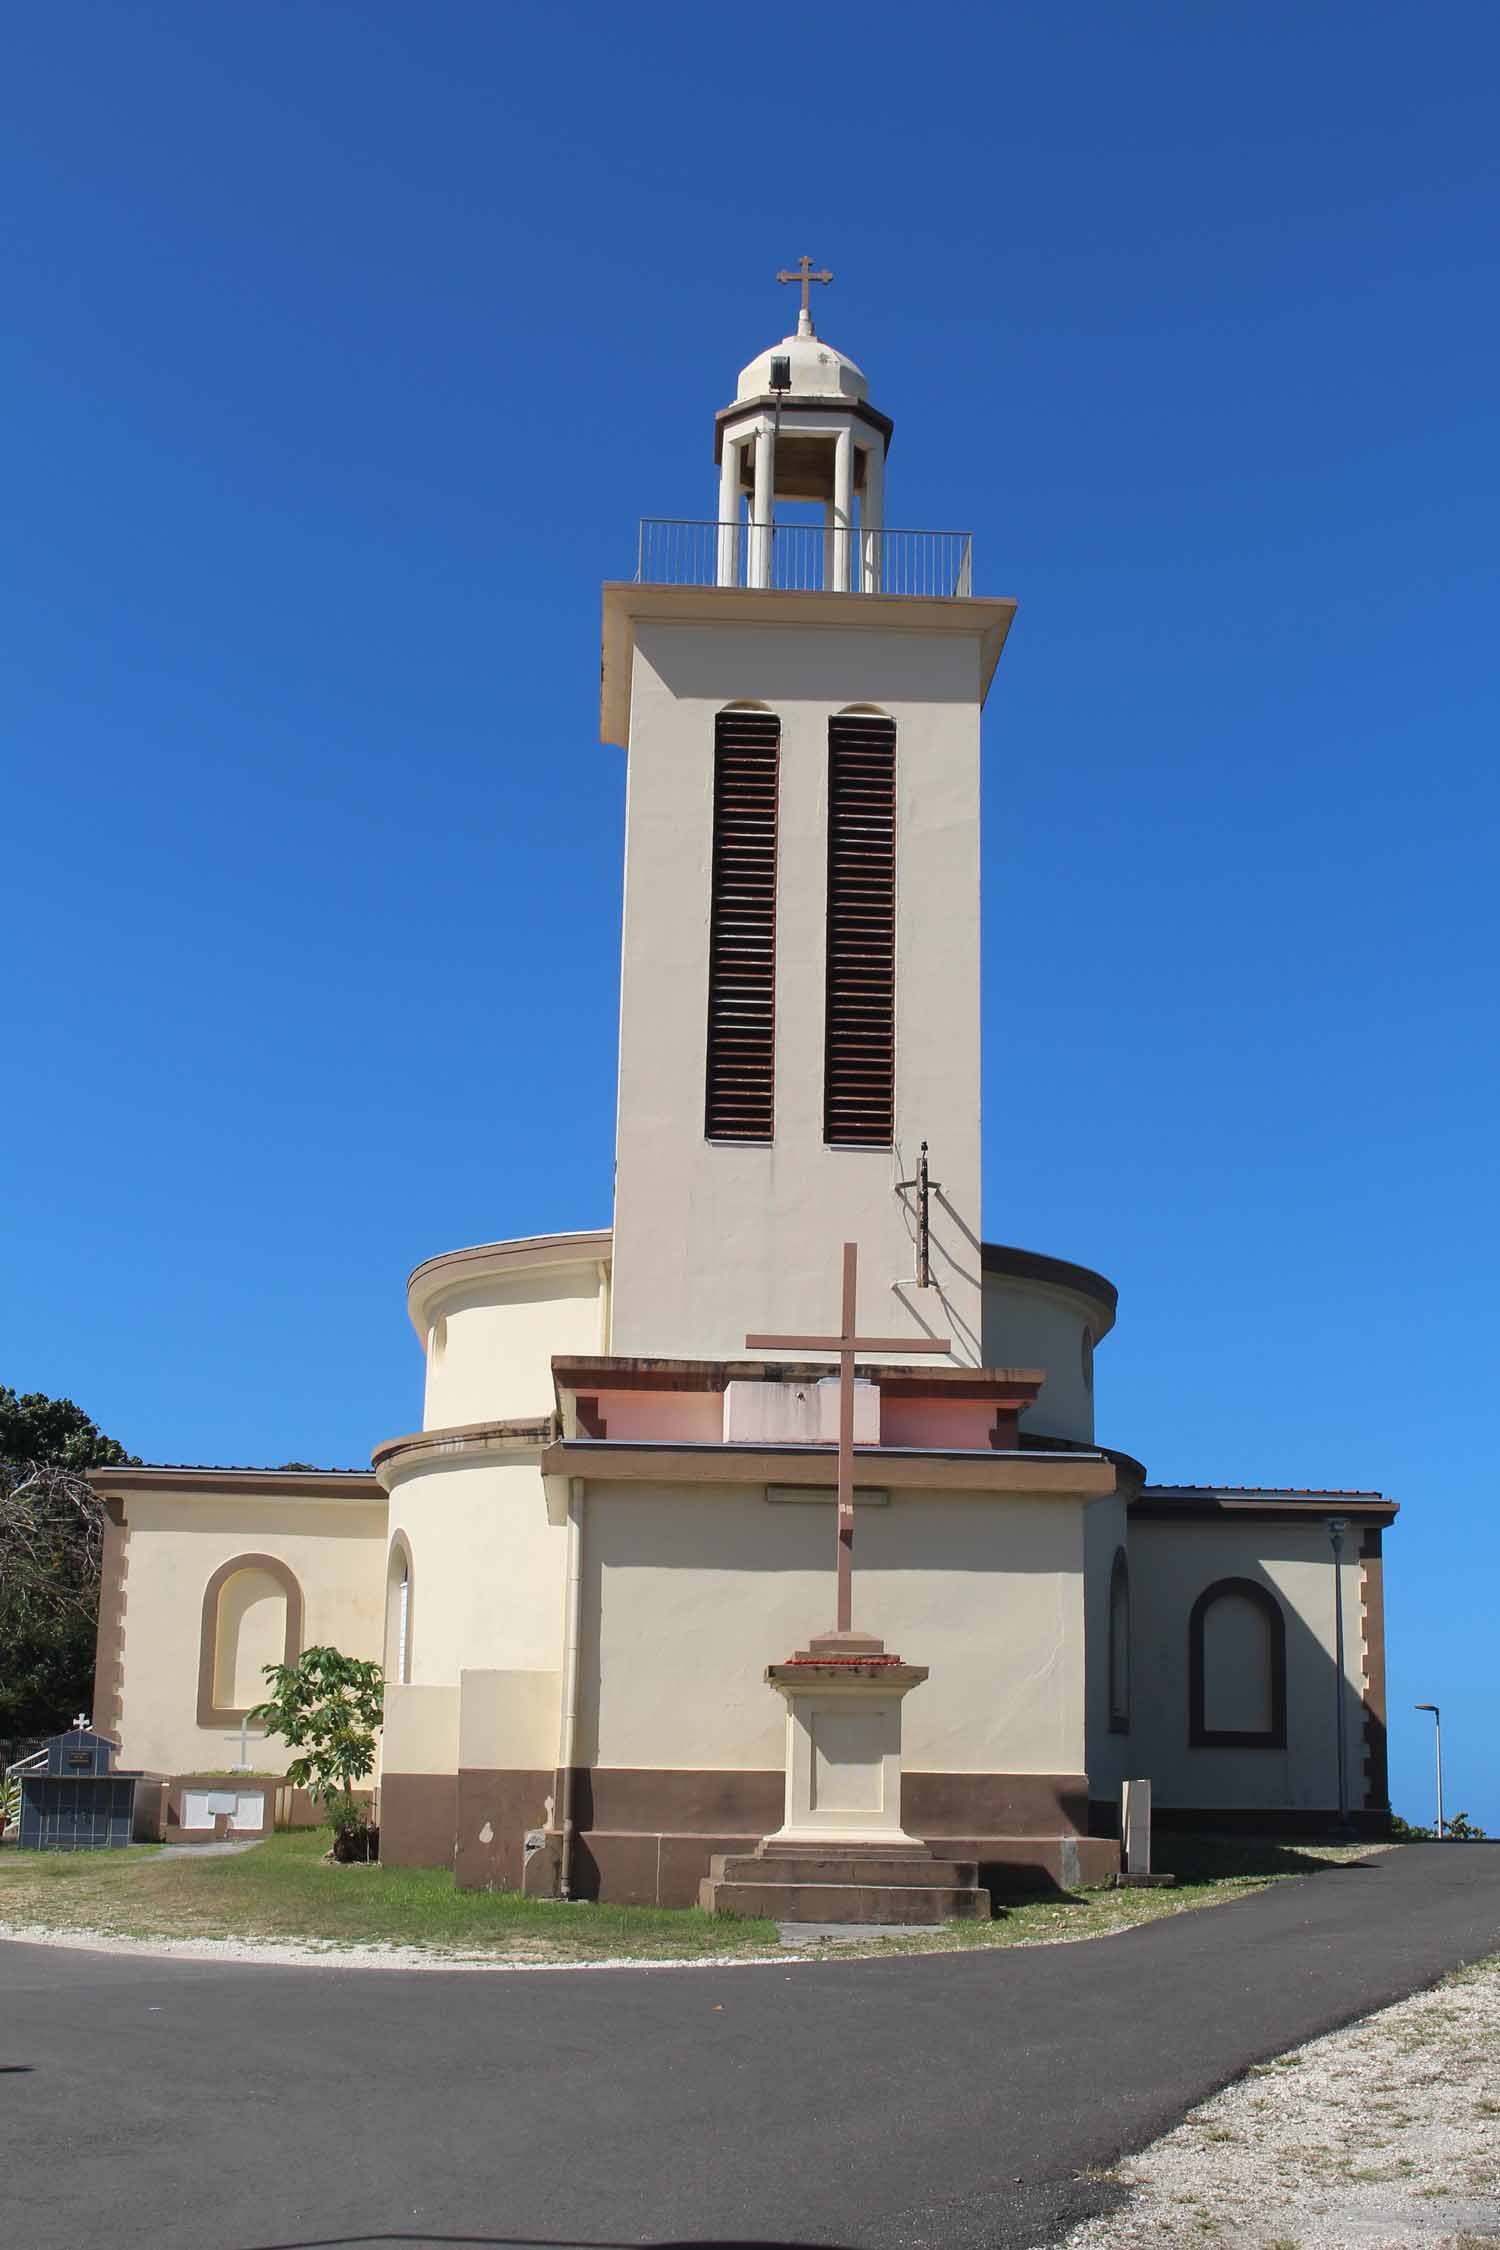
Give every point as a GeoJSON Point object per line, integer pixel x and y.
{"type": "Point", "coordinates": [1119, 1644]}
{"type": "Point", "coordinates": [1237, 1668]}
{"type": "Point", "coordinates": [859, 1064]}
{"type": "Point", "coordinates": [739, 1103]}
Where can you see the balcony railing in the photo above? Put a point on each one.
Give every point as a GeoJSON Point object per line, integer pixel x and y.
{"type": "Point", "coordinates": [804, 558]}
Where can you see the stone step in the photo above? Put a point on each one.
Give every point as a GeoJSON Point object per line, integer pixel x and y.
{"type": "Point", "coordinates": [927, 1903]}
{"type": "Point", "coordinates": [843, 1867]}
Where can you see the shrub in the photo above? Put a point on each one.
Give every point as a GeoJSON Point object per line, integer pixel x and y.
{"type": "Point", "coordinates": [327, 1707]}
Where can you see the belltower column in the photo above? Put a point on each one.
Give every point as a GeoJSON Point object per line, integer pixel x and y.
{"type": "Point", "coordinates": [763, 508]}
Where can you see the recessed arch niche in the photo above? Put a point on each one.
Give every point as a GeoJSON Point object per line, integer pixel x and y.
{"type": "Point", "coordinates": [252, 1616]}
{"type": "Point", "coordinates": [1237, 1668]}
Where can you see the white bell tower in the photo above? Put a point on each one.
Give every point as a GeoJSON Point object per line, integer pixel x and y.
{"type": "Point", "coordinates": [798, 689]}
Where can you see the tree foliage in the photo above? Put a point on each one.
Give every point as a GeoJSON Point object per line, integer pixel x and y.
{"type": "Point", "coordinates": [55, 1434]}
{"type": "Point", "coordinates": [1457, 1829]}
{"type": "Point", "coordinates": [51, 1543]}
{"type": "Point", "coordinates": [326, 1707]}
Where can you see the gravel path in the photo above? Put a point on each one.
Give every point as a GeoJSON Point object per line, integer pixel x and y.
{"type": "Point", "coordinates": [335, 1953]}
{"type": "Point", "coordinates": [1387, 2134]}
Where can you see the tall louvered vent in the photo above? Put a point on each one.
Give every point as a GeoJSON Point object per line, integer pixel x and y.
{"type": "Point", "coordinates": [740, 1099]}
{"type": "Point", "coordinates": [860, 1025]}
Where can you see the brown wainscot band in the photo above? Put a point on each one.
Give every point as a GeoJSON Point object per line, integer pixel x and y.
{"type": "Point", "coordinates": [418, 1819]}
{"type": "Point", "coordinates": [645, 1836]}
{"type": "Point", "coordinates": [497, 1809]}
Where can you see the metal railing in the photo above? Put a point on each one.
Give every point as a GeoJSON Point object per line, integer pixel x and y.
{"type": "Point", "coordinates": [10, 1786]}
{"type": "Point", "coordinates": [804, 558]}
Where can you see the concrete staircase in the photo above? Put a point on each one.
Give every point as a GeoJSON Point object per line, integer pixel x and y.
{"type": "Point", "coordinates": [844, 1885]}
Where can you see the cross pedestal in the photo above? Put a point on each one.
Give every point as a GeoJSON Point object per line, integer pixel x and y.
{"type": "Point", "coordinates": [843, 1750]}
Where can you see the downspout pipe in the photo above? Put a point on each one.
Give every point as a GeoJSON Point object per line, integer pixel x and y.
{"type": "Point", "coordinates": [567, 1748]}
{"type": "Point", "coordinates": [567, 1743]}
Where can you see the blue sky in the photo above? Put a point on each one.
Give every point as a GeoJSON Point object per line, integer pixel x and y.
{"type": "Point", "coordinates": [343, 348]}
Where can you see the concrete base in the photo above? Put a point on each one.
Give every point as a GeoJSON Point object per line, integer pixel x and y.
{"type": "Point", "coordinates": [833, 1885]}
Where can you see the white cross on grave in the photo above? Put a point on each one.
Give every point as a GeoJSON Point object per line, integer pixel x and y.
{"type": "Point", "coordinates": [243, 1739]}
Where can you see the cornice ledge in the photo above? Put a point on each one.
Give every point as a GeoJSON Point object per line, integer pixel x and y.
{"type": "Point", "coordinates": [904, 1468]}
{"type": "Point", "coordinates": [485, 1261]}
{"type": "Point", "coordinates": [463, 1441]}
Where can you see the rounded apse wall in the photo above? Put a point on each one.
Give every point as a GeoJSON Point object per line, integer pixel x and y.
{"type": "Point", "coordinates": [491, 1318]}
{"type": "Point", "coordinates": [1047, 1313]}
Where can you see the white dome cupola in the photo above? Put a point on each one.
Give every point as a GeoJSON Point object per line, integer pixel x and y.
{"type": "Point", "coordinates": [814, 371]}
{"type": "Point", "coordinates": [801, 429]}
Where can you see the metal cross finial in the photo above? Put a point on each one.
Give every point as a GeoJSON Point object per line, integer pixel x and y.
{"type": "Point", "coordinates": [807, 277]}
{"type": "Point", "coordinates": [926, 1188]}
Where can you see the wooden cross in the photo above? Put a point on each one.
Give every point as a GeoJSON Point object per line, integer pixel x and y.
{"type": "Point", "coordinates": [806, 276]}
{"type": "Point", "coordinates": [846, 1344]}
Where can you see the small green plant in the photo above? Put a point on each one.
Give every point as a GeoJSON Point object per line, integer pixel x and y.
{"type": "Point", "coordinates": [327, 1707]}
{"type": "Point", "coordinates": [1458, 1830]}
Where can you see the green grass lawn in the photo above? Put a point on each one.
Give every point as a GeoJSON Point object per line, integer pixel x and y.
{"type": "Point", "coordinates": [285, 1889]}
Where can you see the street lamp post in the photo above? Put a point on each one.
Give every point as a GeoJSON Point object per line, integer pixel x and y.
{"type": "Point", "coordinates": [1337, 1526]}
{"type": "Point", "coordinates": [1437, 1743]}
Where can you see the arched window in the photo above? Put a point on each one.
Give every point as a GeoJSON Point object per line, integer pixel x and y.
{"type": "Point", "coordinates": [1237, 1668]}
{"type": "Point", "coordinates": [398, 1612]}
{"type": "Point", "coordinates": [252, 1617]}
{"type": "Point", "coordinates": [1119, 1644]}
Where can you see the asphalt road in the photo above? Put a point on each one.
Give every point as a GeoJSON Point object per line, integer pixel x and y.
{"type": "Point", "coordinates": [951, 2100]}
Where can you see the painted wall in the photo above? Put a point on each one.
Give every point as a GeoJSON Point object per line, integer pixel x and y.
{"type": "Point", "coordinates": [1171, 1564]}
{"type": "Point", "coordinates": [487, 1567]}
{"type": "Point", "coordinates": [421, 1730]}
{"type": "Point", "coordinates": [689, 1594]}
{"type": "Point", "coordinates": [174, 1544]}
{"type": "Point", "coordinates": [509, 1720]}
{"type": "Point", "coordinates": [714, 1240]}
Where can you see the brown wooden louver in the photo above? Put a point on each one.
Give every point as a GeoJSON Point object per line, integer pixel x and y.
{"type": "Point", "coordinates": [859, 1058]}
{"type": "Point", "coordinates": [741, 1081]}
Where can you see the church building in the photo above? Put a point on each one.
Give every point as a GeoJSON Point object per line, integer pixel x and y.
{"type": "Point", "coordinates": [766, 1531]}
